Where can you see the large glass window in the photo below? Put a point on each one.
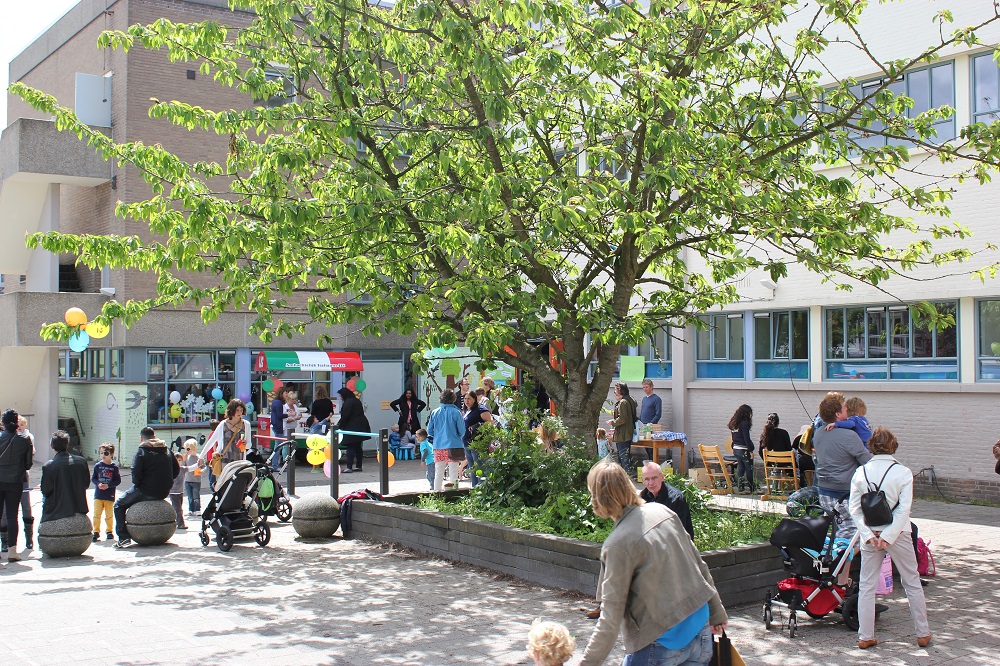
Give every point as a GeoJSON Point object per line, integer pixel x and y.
{"type": "Point", "coordinates": [985, 89]}
{"type": "Point", "coordinates": [988, 352]}
{"type": "Point", "coordinates": [719, 347]}
{"type": "Point", "coordinates": [91, 365]}
{"type": "Point", "coordinates": [657, 353]}
{"type": "Point", "coordinates": [190, 376]}
{"type": "Point", "coordinates": [781, 344]}
{"type": "Point", "coordinates": [889, 342]}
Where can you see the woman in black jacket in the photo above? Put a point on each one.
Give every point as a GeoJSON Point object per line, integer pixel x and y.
{"type": "Point", "coordinates": [739, 427]}
{"type": "Point", "coordinates": [15, 461]}
{"type": "Point", "coordinates": [408, 407]}
{"type": "Point", "coordinates": [352, 417]}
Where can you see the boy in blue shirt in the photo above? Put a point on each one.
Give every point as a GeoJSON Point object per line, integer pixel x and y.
{"type": "Point", "coordinates": [856, 421]}
{"type": "Point", "coordinates": [106, 478]}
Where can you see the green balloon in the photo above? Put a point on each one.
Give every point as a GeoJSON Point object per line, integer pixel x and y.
{"type": "Point", "coordinates": [221, 406]}
{"type": "Point", "coordinates": [267, 385]}
{"type": "Point", "coordinates": [360, 385]}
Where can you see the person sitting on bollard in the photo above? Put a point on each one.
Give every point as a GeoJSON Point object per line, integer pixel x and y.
{"type": "Point", "coordinates": [154, 469]}
{"type": "Point", "coordinates": [65, 480]}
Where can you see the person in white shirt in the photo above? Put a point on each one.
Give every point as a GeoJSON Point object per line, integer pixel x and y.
{"type": "Point", "coordinates": [884, 472]}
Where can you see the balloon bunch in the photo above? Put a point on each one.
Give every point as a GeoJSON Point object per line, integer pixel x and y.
{"type": "Point", "coordinates": [83, 330]}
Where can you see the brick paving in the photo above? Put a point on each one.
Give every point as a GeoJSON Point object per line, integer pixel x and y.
{"type": "Point", "coordinates": [350, 602]}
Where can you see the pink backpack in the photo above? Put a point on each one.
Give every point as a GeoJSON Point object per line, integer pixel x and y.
{"type": "Point", "coordinates": [925, 559]}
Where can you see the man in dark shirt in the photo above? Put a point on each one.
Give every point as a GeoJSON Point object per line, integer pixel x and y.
{"type": "Point", "coordinates": [153, 472]}
{"type": "Point", "coordinates": [65, 480]}
{"type": "Point", "coordinates": [663, 493]}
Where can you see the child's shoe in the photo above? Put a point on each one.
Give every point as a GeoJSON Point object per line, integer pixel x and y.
{"type": "Point", "coordinates": [110, 537]}
{"type": "Point", "coordinates": [182, 526]}
{"type": "Point", "coordinates": [97, 537]}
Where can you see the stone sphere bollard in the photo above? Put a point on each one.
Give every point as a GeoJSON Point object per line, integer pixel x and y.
{"type": "Point", "coordinates": [316, 516]}
{"type": "Point", "coordinates": [151, 522]}
{"type": "Point", "coordinates": [66, 537]}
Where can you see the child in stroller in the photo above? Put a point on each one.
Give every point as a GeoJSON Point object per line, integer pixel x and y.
{"type": "Point", "coordinates": [232, 512]}
{"type": "Point", "coordinates": [819, 566]}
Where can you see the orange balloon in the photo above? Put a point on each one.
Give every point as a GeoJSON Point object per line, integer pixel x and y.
{"type": "Point", "coordinates": [76, 317]}
{"type": "Point", "coordinates": [391, 459]}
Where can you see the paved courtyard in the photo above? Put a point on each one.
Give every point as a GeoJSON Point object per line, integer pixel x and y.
{"type": "Point", "coordinates": [351, 602]}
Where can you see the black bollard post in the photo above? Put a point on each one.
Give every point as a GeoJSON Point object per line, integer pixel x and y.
{"type": "Point", "coordinates": [334, 464]}
{"type": "Point", "coordinates": [290, 466]}
{"type": "Point", "coordinates": [383, 456]}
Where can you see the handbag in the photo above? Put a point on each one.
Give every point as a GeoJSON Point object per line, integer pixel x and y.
{"type": "Point", "coordinates": [874, 505]}
{"type": "Point", "coordinates": [724, 653]}
{"type": "Point", "coordinates": [216, 463]}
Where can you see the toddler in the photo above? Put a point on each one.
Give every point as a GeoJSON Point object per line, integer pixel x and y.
{"type": "Point", "coordinates": [192, 477]}
{"type": "Point", "coordinates": [856, 421]}
{"type": "Point", "coordinates": [426, 454]}
{"type": "Point", "coordinates": [550, 644]}
{"type": "Point", "coordinates": [106, 478]}
{"type": "Point", "coordinates": [602, 443]}
{"type": "Point", "coordinates": [177, 491]}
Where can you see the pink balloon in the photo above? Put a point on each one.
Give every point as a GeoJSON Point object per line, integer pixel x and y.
{"type": "Point", "coordinates": [326, 468]}
{"type": "Point", "coordinates": [351, 382]}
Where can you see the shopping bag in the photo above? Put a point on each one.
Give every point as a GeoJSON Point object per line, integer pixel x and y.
{"type": "Point", "coordinates": [884, 585]}
{"type": "Point", "coordinates": [724, 653]}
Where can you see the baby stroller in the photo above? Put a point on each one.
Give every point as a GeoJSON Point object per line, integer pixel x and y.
{"type": "Point", "coordinates": [267, 491]}
{"type": "Point", "coordinates": [819, 566]}
{"type": "Point", "coordinates": [232, 512]}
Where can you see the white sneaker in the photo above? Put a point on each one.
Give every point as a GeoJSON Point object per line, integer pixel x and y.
{"type": "Point", "coordinates": [12, 556]}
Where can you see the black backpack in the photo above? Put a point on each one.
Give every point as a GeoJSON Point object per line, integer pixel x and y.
{"type": "Point", "coordinates": [874, 505]}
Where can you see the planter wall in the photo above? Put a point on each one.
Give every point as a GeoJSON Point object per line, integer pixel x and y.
{"type": "Point", "coordinates": [742, 574]}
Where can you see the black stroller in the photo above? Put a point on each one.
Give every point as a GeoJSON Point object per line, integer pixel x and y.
{"type": "Point", "coordinates": [268, 493]}
{"type": "Point", "coordinates": [232, 512]}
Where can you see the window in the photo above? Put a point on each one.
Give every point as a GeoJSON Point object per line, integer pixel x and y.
{"type": "Point", "coordinates": [719, 347]}
{"type": "Point", "coordinates": [988, 352]}
{"type": "Point", "coordinates": [889, 342]}
{"type": "Point", "coordinates": [286, 96]}
{"type": "Point", "coordinates": [657, 353]}
{"type": "Point", "coordinates": [116, 364]}
{"type": "Point", "coordinates": [97, 365]}
{"type": "Point", "coordinates": [91, 365]}
{"type": "Point", "coordinates": [781, 344]}
{"type": "Point", "coordinates": [76, 365]}
{"type": "Point", "coordinates": [929, 88]}
{"type": "Point", "coordinates": [985, 88]}
{"type": "Point", "coordinates": [193, 375]}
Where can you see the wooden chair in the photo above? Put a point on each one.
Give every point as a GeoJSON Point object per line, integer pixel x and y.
{"type": "Point", "coordinates": [729, 456]}
{"type": "Point", "coordinates": [719, 480]}
{"type": "Point", "coordinates": [781, 477]}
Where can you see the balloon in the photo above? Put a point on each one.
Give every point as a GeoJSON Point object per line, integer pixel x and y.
{"type": "Point", "coordinates": [351, 383]}
{"type": "Point", "coordinates": [245, 397]}
{"type": "Point", "coordinates": [79, 341]}
{"type": "Point", "coordinates": [268, 385]}
{"type": "Point", "coordinates": [316, 442]}
{"type": "Point", "coordinates": [76, 317]}
{"type": "Point", "coordinates": [221, 406]}
{"type": "Point", "coordinates": [326, 468]}
{"type": "Point", "coordinates": [250, 408]}
{"type": "Point", "coordinates": [315, 457]}
{"type": "Point", "coordinates": [97, 330]}
{"type": "Point", "coordinates": [217, 393]}
{"type": "Point", "coordinates": [175, 397]}
{"type": "Point", "coordinates": [360, 385]}
{"type": "Point", "coordinates": [326, 452]}
{"type": "Point", "coordinates": [391, 459]}
{"type": "Point", "coordinates": [175, 411]}
{"type": "Point", "coordinates": [277, 383]}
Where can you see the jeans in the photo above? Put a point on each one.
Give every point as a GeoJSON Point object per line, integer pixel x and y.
{"type": "Point", "coordinates": [696, 653]}
{"type": "Point", "coordinates": [355, 453]}
{"type": "Point", "coordinates": [472, 458]}
{"type": "Point", "coordinates": [744, 469]}
{"type": "Point", "coordinates": [430, 474]}
{"type": "Point", "coordinates": [10, 502]}
{"type": "Point", "coordinates": [193, 489]}
{"type": "Point", "coordinates": [901, 551]}
{"type": "Point", "coordinates": [131, 496]}
{"type": "Point", "coordinates": [177, 501]}
{"type": "Point", "coordinates": [625, 457]}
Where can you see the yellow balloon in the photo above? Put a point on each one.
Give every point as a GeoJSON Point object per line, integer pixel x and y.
{"type": "Point", "coordinates": [97, 330]}
{"type": "Point", "coordinates": [316, 442]}
{"type": "Point", "coordinates": [175, 411]}
{"type": "Point", "coordinates": [76, 317]}
{"type": "Point", "coordinates": [315, 457]}
{"type": "Point", "coordinates": [391, 459]}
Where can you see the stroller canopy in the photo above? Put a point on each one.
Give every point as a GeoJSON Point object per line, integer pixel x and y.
{"type": "Point", "coordinates": [806, 532]}
{"type": "Point", "coordinates": [230, 471]}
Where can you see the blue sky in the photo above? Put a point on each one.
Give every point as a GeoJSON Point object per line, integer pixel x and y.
{"type": "Point", "coordinates": [21, 23]}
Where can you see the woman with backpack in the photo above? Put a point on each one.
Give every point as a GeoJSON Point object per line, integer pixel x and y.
{"type": "Point", "coordinates": [881, 496]}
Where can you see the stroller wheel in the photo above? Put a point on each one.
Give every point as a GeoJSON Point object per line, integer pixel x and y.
{"type": "Point", "coordinates": [767, 616]}
{"type": "Point", "coordinates": [850, 612]}
{"type": "Point", "coordinates": [204, 539]}
{"type": "Point", "coordinates": [262, 534]}
{"type": "Point", "coordinates": [224, 539]}
{"type": "Point", "coordinates": [284, 510]}
{"type": "Point", "coordinates": [792, 624]}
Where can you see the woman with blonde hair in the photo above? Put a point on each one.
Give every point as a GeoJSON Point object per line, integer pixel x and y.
{"type": "Point", "coordinates": [883, 472]}
{"type": "Point", "coordinates": [648, 545]}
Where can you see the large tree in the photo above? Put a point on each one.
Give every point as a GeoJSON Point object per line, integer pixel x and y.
{"type": "Point", "coordinates": [496, 172]}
